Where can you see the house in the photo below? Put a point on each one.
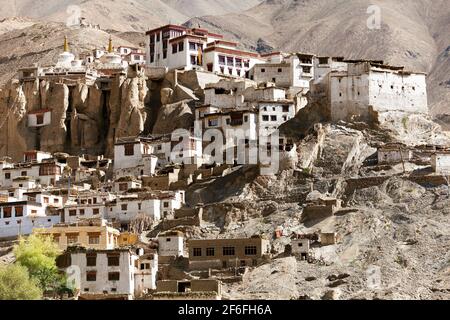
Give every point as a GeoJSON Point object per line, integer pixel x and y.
{"type": "Point", "coordinates": [146, 275]}
{"type": "Point", "coordinates": [39, 118]}
{"type": "Point", "coordinates": [134, 157]}
{"type": "Point", "coordinates": [171, 244]}
{"type": "Point", "coordinates": [224, 57]}
{"type": "Point", "coordinates": [105, 274]}
{"type": "Point", "coordinates": [76, 210]}
{"type": "Point", "coordinates": [320, 208]}
{"type": "Point", "coordinates": [292, 71]}
{"type": "Point", "coordinates": [394, 153]}
{"type": "Point", "coordinates": [20, 217]}
{"type": "Point", "coordinates": [201, 289]}
{"type": "Point", "coordinates": [92, 233]}
{"type": "Point", "coordinates": [301, 247]}
{"type": "Point", "coordinates": [129, 207]}
{"type": "Point", "coordinates": [124, 184]}
{"type": "Point", "coordinates": [440, 162]}
{"type": "Point", "coordinates": [227, 253]}
{"type": "Point", "coordinates": [45, 171]}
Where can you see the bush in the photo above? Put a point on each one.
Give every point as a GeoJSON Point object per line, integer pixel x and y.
{"type": "Point", "coordinates": [16, 284]}
{"type": "Point", "coordinates": [38, 254]}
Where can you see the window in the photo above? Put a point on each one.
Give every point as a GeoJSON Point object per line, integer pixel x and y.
{"type": "Point", "coordinates": [94, 239]}
{"type": "Point", "coordinates": [72, 213]}
{"type": "Point", "coordinates": [72, 238]}
{"type": "Point", "coordinates": [96, 211]}
{"type": "Point", "coordinates": [123, 186]}
{"type": "Point", "coordinates": [307, 70]}
{"type": "Point", "coordinates": [193, 60]}
{"type": "Point", "coordinates": [166, 204]}
{"type": "Point", "coordinates": [23, 173]}
{"type": "Point", "coordinates": [39, 119]}
{"type": "Point", "coordinates": [210, 252]}
{"type": "Point", "coordinates": [192, 46]}
{"type": "Point", "coordinates": [55, 200]}
{"type": "Point", "coordinates": [250, 250]}
{"type": "Point", "coordinates": [158, 37]}
{"type": "Point", "coordinates": [124, 207]}
{"type": "Point", "coordinates": [280, 70]}
{"type": "Point", "coordinates": [323, 60]}
{"type": "Point", "coordinates": [175, 48]}
{"type": "Point", "coordinates": [56, 238]}
{"type": "Point", "coordinates": [81, 212]}
{"type": "Point", "coordinates": [230, 70]}
{"type": "Point", "coordinates": [238, 63]}
{"type": "Point", "coordinates": [113, 260]}
{"type": "Point", "coordinates": [213, 123]}
{"type": "Point", "coordinates": [285, 108]}
{"type": "Point", "coordinates": [139, 206]}
{"type": "Point", "coordinates": [263, 70]}
{"type": "Point", "coordinates": [222, 60]}
{"type": "Point", "coordinates": [19, 211]}
{"type": "Point", "coordinates": [273, 118]}
{"type": "Point", "coordinates": [152, 58]}
{"type": "Point", "coordinates": [197, 252]}
{"type": "Point", "coordinates": [247, 63]}
{"type": "Point", "coordinates": [180, 46]}
{"type": "Point", "coordinates": [245, 118]}
{"type": "Point", "coordinates": [230, 61]}
{"type": "Point", "coordinates": [7, 212]}
{"type": "Point", "coordinates": [129, 150]}
{"type": "Point", "coordinates": [91, 276]}
{"type": "Point", "coordinates": [46, 200]}
{"type": "Point", "coordinates": [228, 251]}
{"type": "Point", "coordinates": [265, 118]}
{"type": "Point", "coordinates": [113, 276]}
{"type": "Point", "coordinates": [228, 121]}
{"type": "Point", "coordinates": [7, 176]}
{"type": "Point", "coordinates": [91, 260]}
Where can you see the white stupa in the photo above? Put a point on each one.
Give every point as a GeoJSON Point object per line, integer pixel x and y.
{"type": "Point", "coordinates": [65, 59]}
{"type": "Point", "coordinates": [112, 59]}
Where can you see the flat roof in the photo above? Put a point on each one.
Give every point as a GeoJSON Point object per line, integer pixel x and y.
{"type": "Point", "coordinates": [168, 26]}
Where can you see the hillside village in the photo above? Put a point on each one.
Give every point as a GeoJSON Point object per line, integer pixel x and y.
{"type": "Point", "coordinates": [194, 169]}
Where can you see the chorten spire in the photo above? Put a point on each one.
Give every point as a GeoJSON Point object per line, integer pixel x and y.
{"type": "Point", "coordinates": [110, 46]}
{"type": "Point", "coordinates": [66, 44]}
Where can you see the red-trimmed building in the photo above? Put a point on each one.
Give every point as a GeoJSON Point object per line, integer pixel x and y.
{"type": "Point", "coordinates": [178, 47]}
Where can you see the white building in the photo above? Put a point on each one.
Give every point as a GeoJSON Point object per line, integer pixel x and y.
{"type": "Point", "coordinates": [36, 165]}
{"type": "Point", "coordinates": [440, 162]}
{"type": "Point", "coordinates": [124, 184]}
{"type": "Point", "coordinates": [39, 118]}
{"type": "Point", "coordinates": [360, 89]}
{"type": "Point", "coordinates": [21, 217]}
{"type": "Point", "coordinates": [171, 244]}
{"type": "Point", "coordinates": [134, 157]}
{"type": "Point", "coordinates": [224, 57]}
{"type": "Point", "coordinates": [146, 275]}
{"type": "Point", "coordinates": [127, 208]}
{"type": "Point", "coordinates": [87, 205]}
{"type": "Point", "coordinates": [178, 47]}
{"type": "Point", "coordinates": [292, 71]}
{"type": "Point", "coordinates": [103, 272]}
{"type": "Point", "coordinates": [272, 114]}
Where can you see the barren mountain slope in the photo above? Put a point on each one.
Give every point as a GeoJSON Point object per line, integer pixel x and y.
{"type": "Point", "coordinates": [122, 15]}
{"type": "Point", "coordinates": [413, 33]}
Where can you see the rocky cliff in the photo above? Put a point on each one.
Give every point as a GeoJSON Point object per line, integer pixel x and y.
{"type": "Point", "coordinates": [84, 118]}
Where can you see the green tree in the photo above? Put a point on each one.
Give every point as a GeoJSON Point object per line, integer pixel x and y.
{"type": "Point", "coordinates": [38, 254]}
{"type": "Point", "coordinates": [16, 284]}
